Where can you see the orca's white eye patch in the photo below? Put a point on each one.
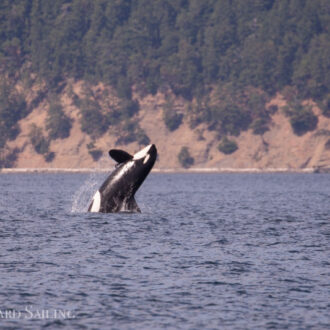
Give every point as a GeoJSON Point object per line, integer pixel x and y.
{"type": "Point", "coordinates": [142, 153]}
{"type": "Point", "coordinates": [146, 159]}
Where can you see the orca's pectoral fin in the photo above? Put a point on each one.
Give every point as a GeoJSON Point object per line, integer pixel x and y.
{"type": "Point", "coordinates": [131, 206]}
{"type": "Point", "coordinates": [120, 156]}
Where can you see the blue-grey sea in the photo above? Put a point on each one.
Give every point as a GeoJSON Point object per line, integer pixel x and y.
{"type": "Point", "coordinates": [208, 251]}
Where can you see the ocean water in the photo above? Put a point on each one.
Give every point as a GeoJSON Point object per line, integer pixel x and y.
{"type": "Point", "coordinates": [209, 251]}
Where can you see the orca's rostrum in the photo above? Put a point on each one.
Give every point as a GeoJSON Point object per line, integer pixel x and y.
{"type": "Point", "coordinates": [117, 192]}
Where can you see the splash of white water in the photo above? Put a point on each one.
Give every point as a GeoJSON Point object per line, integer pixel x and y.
{"type": "Point", "coordinates": [83, 196]}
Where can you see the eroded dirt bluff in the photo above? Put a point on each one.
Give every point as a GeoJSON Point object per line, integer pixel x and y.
{"type": "Point", "coordinates": [278, 148]}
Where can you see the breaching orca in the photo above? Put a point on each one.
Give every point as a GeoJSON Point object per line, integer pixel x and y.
{"type": "Point", "coordinates": [117, 192]}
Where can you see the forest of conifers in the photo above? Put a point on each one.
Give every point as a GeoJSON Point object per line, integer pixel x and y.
{"type": "Point", "coordinates": [188, 46]}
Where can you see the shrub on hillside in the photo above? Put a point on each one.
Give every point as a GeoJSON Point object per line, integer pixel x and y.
{"type": "Point", "coordinates": [12, 108]}
{"type": "Point", "coordinates": [185, 158]}
{"type": "Point", "coordinates": [128, 108]}
{"type": "Point", "coordinates": [95, 153]}
{"type": "Point", "coordinates": [8, 157]}
{"type": "Point", "coordinates": [172, 120]}
{"type": "Point", "coordinates": [303, 121]}
{"type": "Point", "coordinates": [92, 121]}
{"type": "Point", "coordinates": [141, 137]}
{"type": "Point", "coordinates": [227, 146]}
{"type": "Point", "coordinates": [58, 124]}
{"type": "Point", "coordinates": [232, 118]}
{"type": "Point", "coordinates": [40, 143]}
{"type": "Point", "coordinates": [302, 118]}
{"type": "Point", "coordinates": [326, 106]}
{"type": "Point", "coordinates": [327, 145]}
{"type": "Point", "coordinates": [49, 157]}
{"type": "Point", "coordinates": [132, 132]}
{"type": "Point", "coordinates": [259, 126]}
{"type": "Point", "coordinates": [273, 109]}
{"type": "Point", "coordinates": [200, 112]}
{"type": "Point", "coordinates": [171, 117]}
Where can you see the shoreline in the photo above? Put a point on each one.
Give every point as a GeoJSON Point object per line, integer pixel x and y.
{"type": "Point", "coordinates": [168, 170]}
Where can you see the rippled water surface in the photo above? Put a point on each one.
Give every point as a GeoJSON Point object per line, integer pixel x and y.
{"type": "Point", "coordinates": [209, 251]}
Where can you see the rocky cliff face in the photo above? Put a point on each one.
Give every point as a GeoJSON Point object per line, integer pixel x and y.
{"type": "Point", "coordinates": [278, 148]}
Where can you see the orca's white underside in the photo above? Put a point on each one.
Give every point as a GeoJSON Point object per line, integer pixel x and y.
{"type": "Point", "coordinates": [96, 202]}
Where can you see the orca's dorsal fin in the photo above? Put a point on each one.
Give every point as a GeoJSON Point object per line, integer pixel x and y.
{"type": "Point", "coordinates": [120, 156]}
